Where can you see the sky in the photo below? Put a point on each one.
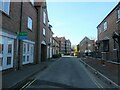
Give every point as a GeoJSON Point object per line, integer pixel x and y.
{"type": "Point", "coordinates": [75, 20]}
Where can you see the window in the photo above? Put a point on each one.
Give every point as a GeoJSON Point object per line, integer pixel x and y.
{"type": "Point", "coordinates": [29, 23]}
{"type": "Point", "coordinates": [23, 58]}
{"type": "Point", "coordinates": [27, 58]}
{"type": "Point", "coordinates": [5, 6]}
{"type": "Point", "coordinates": [89, 45]}
{"type": "Point", "coordinates": [118, 13]}
{"type": "Point", "coordinates": [32, 1]}
{"type": "Point", "coordinates": [1, 48]}
{"type": "Point", "coordinates": [43, 31]}
{"type": "Point", "coordinates": [105, 26]}
{"type": "Point", "coordinates": [10, 48]}
{"type": "Point", "coordinates": [1, 61]}
{"type": "Point", "coordinates": [28, 48]}
{"type": "Point", "coordinates": [8, 60]}
{"type": "Point", "coordinates": [50, 40]}
{"type": "Point", "coordinates": [44, 17]}
{"type": "Point", "coordinates": [24, 48]}
{"type": "Point", "coordinates": [105, 45]}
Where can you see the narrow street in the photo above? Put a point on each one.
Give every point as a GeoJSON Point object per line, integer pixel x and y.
{"type": "Point", "coordinates": [66, 72]}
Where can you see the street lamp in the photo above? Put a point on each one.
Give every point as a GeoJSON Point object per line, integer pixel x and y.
{"type": "Point", "coordinates": [116, 37]}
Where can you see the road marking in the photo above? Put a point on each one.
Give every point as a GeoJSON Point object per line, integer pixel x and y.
{"type": "Point", "coordinates": [31, 83]}
{"type": "Point", "coordinates": [28, 84]}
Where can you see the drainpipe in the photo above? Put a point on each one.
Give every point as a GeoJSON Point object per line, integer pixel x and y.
{"type": "Point", "coordinates": [19, 42]}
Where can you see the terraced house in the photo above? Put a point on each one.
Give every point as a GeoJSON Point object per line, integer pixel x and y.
{"type": "Point", "coordinates": [18, 19]}
{"type": "Point", "coordinates": [86, 46]}
{"type": "Point", "coordinates": [55, 46]}
{"type": "Point", "coordinates": [109, 35]}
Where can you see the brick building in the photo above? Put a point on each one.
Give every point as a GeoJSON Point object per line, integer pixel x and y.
{"type": "Point", "coordinates": [67, 46]}
{"type": "Point", "coordinates": [86, 46]}
{"type": "Point", "coordinates": [62, 44]}
{"type": "Point", "coordinates": [29, 17]}
{"type": "Point", "coordinates": [108, 47]}
{"type": "Point", "coordinates": [50, 43]}
{"type": "Point", "coordinates": [55, 46]}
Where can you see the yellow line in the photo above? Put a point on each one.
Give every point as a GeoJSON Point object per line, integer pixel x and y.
{"type": "Point", "coordinates": [25, 85]}
{"type": "Point", "coordinates": [30, 83]}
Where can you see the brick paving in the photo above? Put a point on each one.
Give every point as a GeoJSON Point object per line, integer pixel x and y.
{"type": "Point", "coordinates": [110, 70]}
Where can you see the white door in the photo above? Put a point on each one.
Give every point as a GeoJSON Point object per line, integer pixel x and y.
{"type": "Point", "coordinates": [31, 53]}
{"type": "Point", "coordinates": [1, 52]}
{"type": "Point", "coordinates": [28, 51]}
{"type": "Point", "coordinates": [6, 52]}
{"type": "Point", "coordinates": [48, 52]}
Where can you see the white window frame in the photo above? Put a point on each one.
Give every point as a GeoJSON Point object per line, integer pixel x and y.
{"type": "Point", "coordinates": [44, 17]}
{"type": "Point", "coordinates": [44, 31]}
{"type": "Point", "coordinates": [105, 26]}
{"type": "Point", "coordinates": [118, 13]}
{"type": "Point", "coordinates": [3, 4]}
{"type": "Point", "coordinates": [30, 23]}
{"type": "Point", "coordinates": [50, 40]}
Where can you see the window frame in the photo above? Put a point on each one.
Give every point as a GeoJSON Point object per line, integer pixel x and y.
{"type": "Point", "coordinates": [3, 6]}
{"type": "Point", "coordinates": [32, 2]}
{"type": "Point", "coordinates": [105, 25]}
{"type": "Point", "coordinates": [30, 26]}
{"type": "Point", "coordinates": [44, 17]}
{"type": "Point", "coordinates": [44, 31]}
{"type": "Point", "coordinates": [118, 13]}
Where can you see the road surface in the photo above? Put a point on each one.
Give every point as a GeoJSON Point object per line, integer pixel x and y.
{"type": "Point", "coordinates": [67, 72]}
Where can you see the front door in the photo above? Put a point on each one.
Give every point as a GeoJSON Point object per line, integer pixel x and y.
{"type": "Point", "coordinates": [6, 52]}
{"type": "Point", "coordinates": [28, 51]}
{"type": "Point", "coordinates": [31, 53]}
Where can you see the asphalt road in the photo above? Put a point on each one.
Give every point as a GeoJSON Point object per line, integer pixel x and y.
{"type": "Point", "coordinates": [67, 72]}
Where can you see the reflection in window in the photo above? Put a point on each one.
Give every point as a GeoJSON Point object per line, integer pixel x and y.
{"type": "Point", "coordinates": [105, 26]}
{"type": "Point", "coordinates": [29, 23]}
{"type": "Point", "coordinates": [8, 60]}
{"type": "Point", "coordinates": [43, 31]}
{"type": "Point", "coordinates": [24, 48]}
{"type": "Point", "coordinates": [44, 17]}
{"type": "Point", "coordinates": [1, 61]}
{"type": "Point", "coordinates": [118, 12]}
{"type": "Point", "coordinates": [23, 58]}
{"type": "Point", "coordinates": [9, 48]}
{"type": "Point", "coordinates": [1, 48]}
{"type": "Point", "coordinates": [28, 48]}
{"type": "Point", "coordinates": [27, 58]}
{"type": "Point", "coordinates": [5, 6]}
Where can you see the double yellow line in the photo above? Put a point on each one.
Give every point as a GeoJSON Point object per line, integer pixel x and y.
{"type": "Point", "coordinates": [28, 84]}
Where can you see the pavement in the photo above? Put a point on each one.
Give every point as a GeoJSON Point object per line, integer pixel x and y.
{"type": "Point", "coordinates": [14, 79]}
{"type": "Point", "coordinates": [108, 69]}
{"type": "Point", "coordinates": [68, 72]}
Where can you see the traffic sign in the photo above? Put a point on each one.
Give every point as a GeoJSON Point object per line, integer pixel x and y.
{"type": "Point", "coordinates": [22, 35]}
